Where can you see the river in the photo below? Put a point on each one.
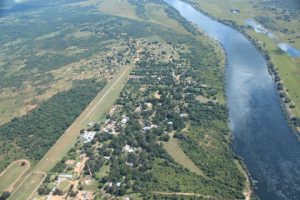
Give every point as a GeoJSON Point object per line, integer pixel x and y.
{"type": "Point", "coordinates": [261, 133]}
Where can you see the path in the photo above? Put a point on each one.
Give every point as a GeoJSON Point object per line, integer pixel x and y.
{"type": "Point", "coordinates": [11, 186]}
{"type": "Point", "coordinates": [184, 194]}
{"type": "Point", "coordinates": [24, 184]}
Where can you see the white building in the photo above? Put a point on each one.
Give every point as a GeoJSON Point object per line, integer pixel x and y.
{"type": "Point", "coordinates": [125, 120]}
{"type": "Point", "coordinates": [128, 148]}
{"type": "Point", "coordinates": [147, 128]}
{"type": "Point", "coordinates": [88, 136]}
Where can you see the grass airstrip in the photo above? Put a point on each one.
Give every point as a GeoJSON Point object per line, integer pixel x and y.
{"type": "Point", "coordinates": [96, 109]}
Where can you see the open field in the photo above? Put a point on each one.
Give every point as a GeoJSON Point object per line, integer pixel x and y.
{"type": "Point", "coordinates": [158, 15]}
{"type": "Point", "coordinates": [10, 176]}
{"type": "Point", "coordinates": [183, 194]}
{"type": "Point", "coordinates": [64, 185]}
{"type": "Point", "coordinates": [24, 84]}
{"type": "Point", "coordinates": [175, 151]}
{"type": "Point", "coordinates": [101, 104]}
{"type": "Point", "coordinates": [29, 185]}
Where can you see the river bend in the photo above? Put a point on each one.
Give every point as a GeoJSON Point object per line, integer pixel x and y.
{"type": "Point", "coordinates": [261, 134]}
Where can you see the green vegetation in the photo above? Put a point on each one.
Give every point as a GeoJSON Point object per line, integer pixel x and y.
{"type": "Point", "coordinates": [96, 109]}
{"type": "Point", "coordinates": [160, 99]}
{"type": "Point", "coordinates": [127, 154]}
{"type": "Point", "coordinates": [63, 186]}
{"type": "Point", "coordinates": [12, 173]}
{"type": "Point", "coordinates": [36, 132]}
{"type": "Point", "coordinates": [41, 57]}
{"type": "Point", "coordinates": [26, 190]}
{"type": "Point", "coordinates": [169, 64]}
{"type": "Point", "coordinates": [174, 150]}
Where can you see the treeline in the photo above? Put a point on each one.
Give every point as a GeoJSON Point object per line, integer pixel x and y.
{"type": "Point", "coordinates": [37, 131]}
{"type": "Point", "coordinates": [139, 8]}
{"type": "Point", "coordinates": [174, 14]}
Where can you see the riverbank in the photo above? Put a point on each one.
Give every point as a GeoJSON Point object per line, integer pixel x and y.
{"type": "Point", "coordinates": [261, 133]}
{"type": "Point", "coordinates": [290, 117]}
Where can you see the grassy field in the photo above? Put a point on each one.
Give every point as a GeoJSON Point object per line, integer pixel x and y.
{"type": "Point", "coordinates": [103, 171]}
{"type": "Point", "coordinates": [23, 87]}
{"type": "Point", "coordinates": [28, 186]}
{"type": "Point", "coordinates": [157, 15]}
{"type": "Point", "coordinates": [93, 112]}
{"type": "Point", "coordinates": [175, 151]}
{"type": "Point", "coordinates": [119, 8]}
{"type": "Point", "coordinates": [64, 185]}
{"type": "Point", "coordinates": [12, 174]}
{"type": "Point", "coordinates": [287, 66]}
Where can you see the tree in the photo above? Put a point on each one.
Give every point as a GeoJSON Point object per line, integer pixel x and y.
{"type": "Point", "coordinates": [4, 195]}
{"type": "Point", "coordinates": [58, 192]}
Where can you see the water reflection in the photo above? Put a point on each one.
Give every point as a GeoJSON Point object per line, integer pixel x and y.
{"type": "Point", "coordinates": [261, 133]}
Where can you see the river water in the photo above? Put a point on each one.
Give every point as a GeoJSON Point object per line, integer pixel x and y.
{"type": "Point", "coordinates": [261, 133]}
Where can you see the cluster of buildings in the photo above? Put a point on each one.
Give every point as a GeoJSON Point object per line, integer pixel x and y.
{"type": "Point", "coordinates": [111, 126]}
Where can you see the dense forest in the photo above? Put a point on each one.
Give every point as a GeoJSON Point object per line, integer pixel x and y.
{"type": "Point", "coordinates": [290, 4]}
{"type": "Point", "coordinates": [36, 132]}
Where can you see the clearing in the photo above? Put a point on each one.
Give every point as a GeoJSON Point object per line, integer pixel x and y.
{"type": "Point", "coordinates": [29, 186]}
{"type": "Point", "coordinates": [11, 175]}
{"type": "Point", "coordinates": [183, 194]}
{"type": "Point", "coordinates": [174, 150]}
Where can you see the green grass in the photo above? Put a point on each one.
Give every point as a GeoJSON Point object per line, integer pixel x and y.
{"type": "Point", "coordinates": [157, 15]}
{"type": "Point", "coordinates": [175, 151]}
{"type": "Point", "coordinates": [11, 174]}
{"type": "Point", "coordinates": [121, 8]}
{"type": "Point", "coordinates": [64, 185]}
{"type": "Point", "coordinates": [27, 188]}
{"type": "Point", "coordinates": [172, 178]}
{"type": "Point", "coordinates": [93, 186]}
{"type": "Point", "coordinates": [103, 171]}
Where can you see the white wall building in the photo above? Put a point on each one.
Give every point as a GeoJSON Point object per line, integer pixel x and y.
{"type": "Point", "coordinates": [88, 136]}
